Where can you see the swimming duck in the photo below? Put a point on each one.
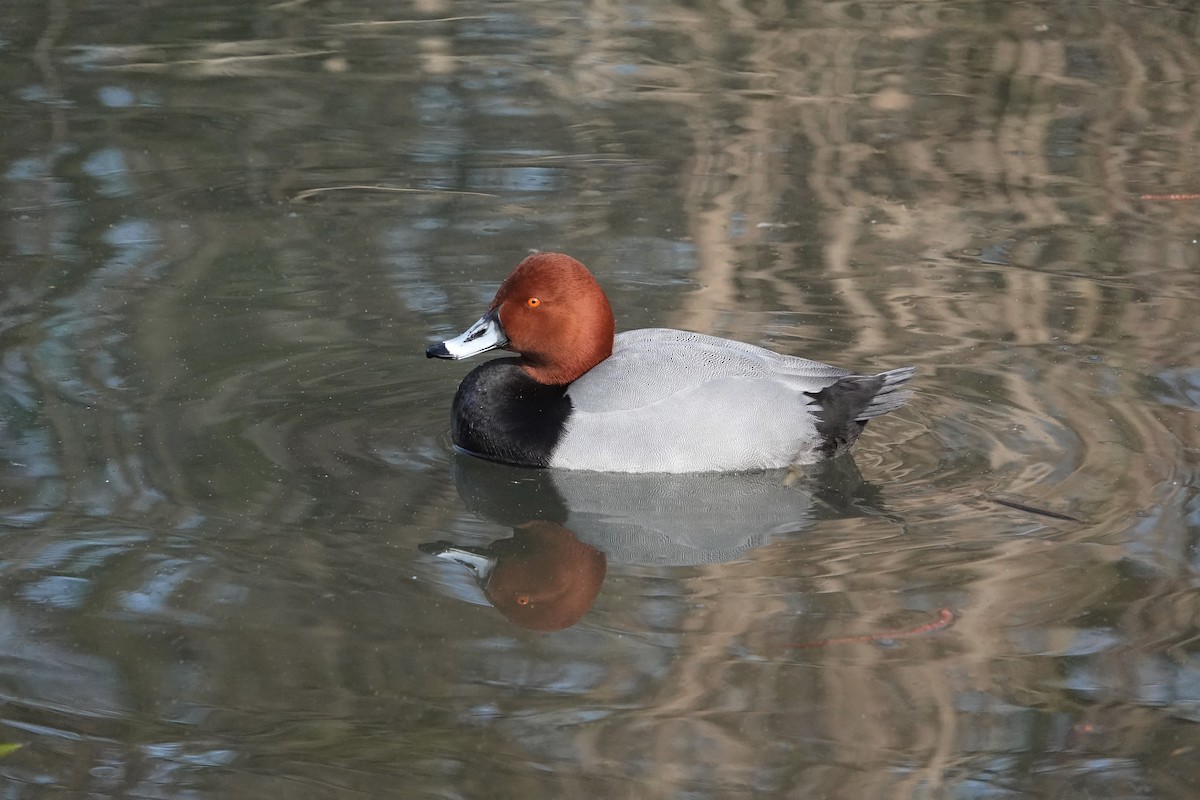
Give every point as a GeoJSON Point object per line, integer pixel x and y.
{"type": "Point", "coordinates": [650, 400]}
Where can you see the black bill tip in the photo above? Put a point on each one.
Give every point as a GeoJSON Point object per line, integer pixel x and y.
{"type": "Point", "coordinates": [437, 351]}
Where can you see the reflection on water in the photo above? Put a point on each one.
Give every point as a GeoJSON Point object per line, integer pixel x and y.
{"type": "Point", "coordinates": [232, 229]}
{"type": "Point", "coordinates": [543, 578]}
{"type": "Point", "coordinates": [566, 524]}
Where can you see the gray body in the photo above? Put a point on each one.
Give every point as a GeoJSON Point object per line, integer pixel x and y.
{"type": "Point", "coordinates": [676, 401]}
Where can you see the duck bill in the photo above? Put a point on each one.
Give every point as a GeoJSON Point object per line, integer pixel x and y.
{"type": "Point", "coordinates": [486, 334]}
{"type": "Point", "coordinates": [479, 563]}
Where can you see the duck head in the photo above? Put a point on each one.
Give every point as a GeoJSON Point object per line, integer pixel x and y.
{"type": "Point", "coordinates": [551, 312]}
{"type": "Point", "coordinates": [543, 578]}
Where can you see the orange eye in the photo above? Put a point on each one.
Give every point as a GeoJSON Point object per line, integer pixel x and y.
{"type": "Point", "coordinates": [523, 599]}
{"type": "Point", "coordinates": [533, 302]}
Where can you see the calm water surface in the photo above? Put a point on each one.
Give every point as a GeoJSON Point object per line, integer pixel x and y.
{"type": "Point", "coordinates": [229, 231]}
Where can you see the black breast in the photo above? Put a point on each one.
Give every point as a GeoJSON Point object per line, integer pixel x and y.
{"type": "Point", "coordinates": [502, 414]}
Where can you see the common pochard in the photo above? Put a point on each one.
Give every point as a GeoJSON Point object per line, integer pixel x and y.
{"type": "Point", "coordinates": [650, 400]}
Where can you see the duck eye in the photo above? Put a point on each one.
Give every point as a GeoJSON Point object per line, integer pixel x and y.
{"type": "Point", "coordinates": [533, 302]}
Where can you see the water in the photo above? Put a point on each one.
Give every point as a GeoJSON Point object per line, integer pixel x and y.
{"type": "Point", "coordinates": [225, 466]}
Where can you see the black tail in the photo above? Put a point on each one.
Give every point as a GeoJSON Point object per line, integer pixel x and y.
{"type": "Point", "coordinates": [843, 407]}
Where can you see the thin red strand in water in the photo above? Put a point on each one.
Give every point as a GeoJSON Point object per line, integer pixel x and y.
{"type": "Point", "coordinates": [945, 618]}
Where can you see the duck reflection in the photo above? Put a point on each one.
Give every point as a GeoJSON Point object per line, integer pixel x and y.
{"type": "Point", "coordinates": [568, 524]}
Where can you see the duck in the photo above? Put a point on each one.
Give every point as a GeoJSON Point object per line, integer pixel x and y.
{"type": "Point", "coordinates": [579, 396]}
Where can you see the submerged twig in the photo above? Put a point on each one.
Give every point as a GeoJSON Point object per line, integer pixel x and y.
{"type": "Point", "coordinates": [307, 193]}
{"type": "Point", "coordinates": [1034, 509]}
{"type": "Point", "coordinates": [380, 23]}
